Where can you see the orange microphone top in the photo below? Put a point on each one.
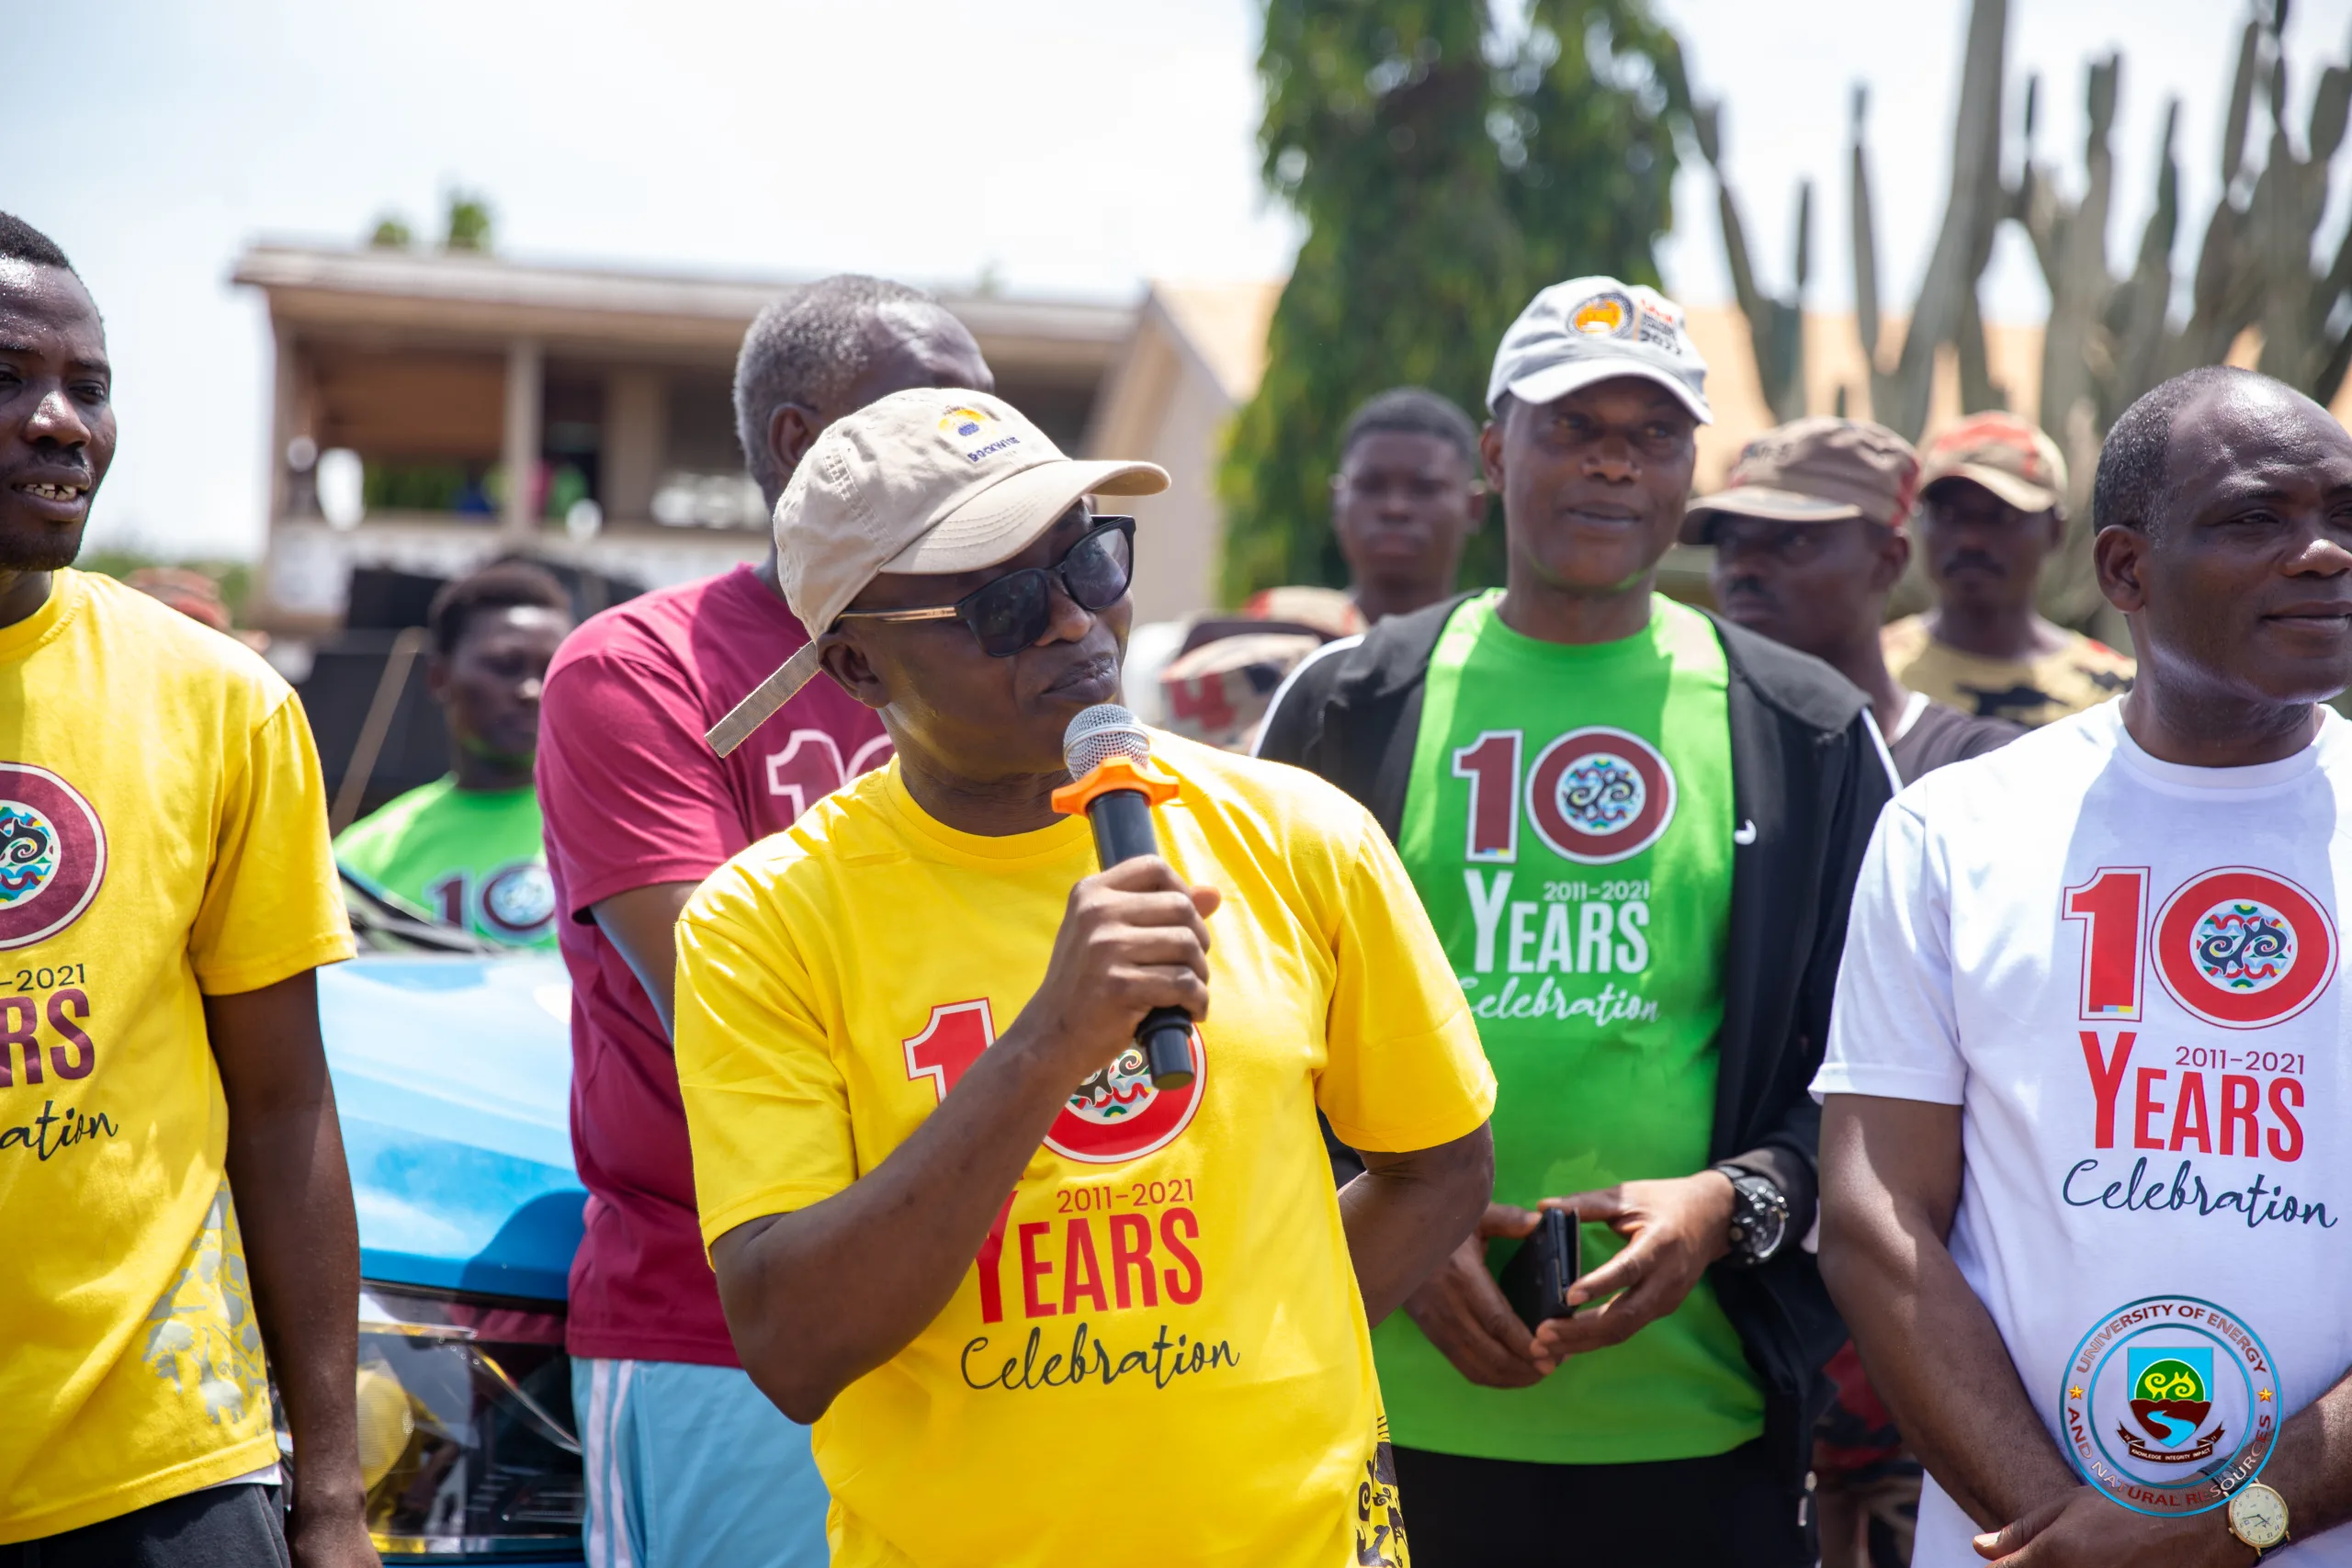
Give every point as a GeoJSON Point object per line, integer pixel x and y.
{"type": "Point", "coordinates": [1114, 774]}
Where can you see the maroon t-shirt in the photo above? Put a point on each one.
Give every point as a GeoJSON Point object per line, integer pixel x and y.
{"type": "Point", "coordinates": [632, 796]}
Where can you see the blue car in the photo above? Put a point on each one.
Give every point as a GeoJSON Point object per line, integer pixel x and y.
{"type": "Point", "coordinates": [452, 1073]}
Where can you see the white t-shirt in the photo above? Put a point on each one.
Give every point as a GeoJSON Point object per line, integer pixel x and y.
{"type": "Point", "coordinates": [2125, 972]}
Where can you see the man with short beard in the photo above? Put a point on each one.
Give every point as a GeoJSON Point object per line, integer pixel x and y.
{"type": "Point", "coordinates": [2083, 1154]}
{"type": "Point", "coordinates": [1991, 512]}
{"type": "Point", "coordinates": [687, 1463]}
{"type": "Point", "coordinates": [175, 1208]}
{"type": "Point", "coordinates": [1811, 534]}
{"type": "Point", "coordinates": [1046, 1306]}
{"type": "Point", "coordinates": [1635, 827]}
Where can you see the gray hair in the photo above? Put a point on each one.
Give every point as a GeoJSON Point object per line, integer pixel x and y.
{"type": "Point", "coordinates": [805, 348]}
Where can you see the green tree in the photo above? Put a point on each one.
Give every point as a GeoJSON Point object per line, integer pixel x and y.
{"type": "Point", "coordinates": [470, 222]}
{"type": "Point", "coordinates": [1449, 159]}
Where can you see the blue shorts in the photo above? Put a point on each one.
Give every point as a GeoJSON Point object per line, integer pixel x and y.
{"type": "Point", "coordinates": [691, 1467]}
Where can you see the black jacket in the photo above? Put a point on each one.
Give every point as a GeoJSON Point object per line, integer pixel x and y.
{"type": "Point", "coordinates": [1808, 778]}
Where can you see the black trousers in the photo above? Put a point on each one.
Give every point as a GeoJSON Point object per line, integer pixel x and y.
{"type": "Point", "coordinates": [220, 1527]}
{"type": "Point", "coordinates": [1734, 1510]}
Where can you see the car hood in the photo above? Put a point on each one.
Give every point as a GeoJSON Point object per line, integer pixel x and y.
{"type": "Point", "coordinates": [453, 1078]}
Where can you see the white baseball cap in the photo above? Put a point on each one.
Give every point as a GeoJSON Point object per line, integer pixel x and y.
{"type": "Point", "coordinates": [933, 480]}
{"type": "Point", "coordinates": [1592, 329]}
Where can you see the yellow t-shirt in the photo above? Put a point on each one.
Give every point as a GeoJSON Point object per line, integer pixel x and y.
{"type": "Point", "coordinates": [1160, 1355]}
{"type": "Point", "coordinates": [163, 837]}
{"type": "Point", "coordinates": [2030, 691]}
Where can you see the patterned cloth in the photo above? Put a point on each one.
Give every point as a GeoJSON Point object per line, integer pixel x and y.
{"type": "Point", "coordinates": [1866, 1481]}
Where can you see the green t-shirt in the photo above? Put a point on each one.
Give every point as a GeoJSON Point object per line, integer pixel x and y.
{"type": "Point", "coordinates": [470, 858]}
{"type": "Point", "coordinates": [1568, 825]}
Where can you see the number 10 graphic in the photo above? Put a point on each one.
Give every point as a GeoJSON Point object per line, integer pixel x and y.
{"type": "Point", "coordinates": [2113, 907]}
{"type": "Point", "coordinates": [2235, 946]}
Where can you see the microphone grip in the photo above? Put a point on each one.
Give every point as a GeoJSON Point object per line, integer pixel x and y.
{"type": "Point", "coordinates": [1122, 823]}
{"type": "Point", "coordinates": [1166, 1035]}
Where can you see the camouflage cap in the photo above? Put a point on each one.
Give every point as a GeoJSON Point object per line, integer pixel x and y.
{"type": "Point", "coordinates": [2003, 453]}
{"type": "Point", "coordinates": [1814, 470]}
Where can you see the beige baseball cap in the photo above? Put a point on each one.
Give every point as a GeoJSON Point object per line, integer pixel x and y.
{"type": "Point", "coordinates": [929, 482]}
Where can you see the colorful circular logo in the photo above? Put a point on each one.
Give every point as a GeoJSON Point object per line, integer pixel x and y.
{"type": "Point", "coordinates": [2171, 1405]}
{"type": "Point", "coordinates": [518, 900]}
{"type": "Point", "coordinates": [53, 854]}
{"type": "Point", "coordinates": [960, 420]}
{"type": "Point", "coordinates": [1600, 795]}
{"type": "Point", "coordinates": [1116, 1115]}
{"type": "Point", "coordinates": [1604, 315]}
{"type": "Point", "coordinates": [28, 853]}
{"type": "Point", "coordinates": [2242, 948]}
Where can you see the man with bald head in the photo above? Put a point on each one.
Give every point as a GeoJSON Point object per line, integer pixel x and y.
{"type": "Point", "coordinates": [687, 1463]}
{"type": "Point", "coordinates": [2084, 1151]}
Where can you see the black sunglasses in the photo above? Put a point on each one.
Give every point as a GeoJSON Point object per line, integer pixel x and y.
{"type": "Point", "coordinates": [1012, 612]}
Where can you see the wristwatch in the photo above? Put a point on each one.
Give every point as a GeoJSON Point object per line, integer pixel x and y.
{"type": "Point", "coordinates": [2257, 1516]}
{"type": "Point", "coordinates": [1760, 1216]}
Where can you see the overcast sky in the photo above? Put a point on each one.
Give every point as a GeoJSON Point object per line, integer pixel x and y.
{"type": "Point", "coordinates": [1064, 146]}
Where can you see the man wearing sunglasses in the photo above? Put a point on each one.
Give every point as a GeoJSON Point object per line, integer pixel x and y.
{"type": "Point", "coordinates": [1040, 1310]}
{"type": "Point", "coordinates": [688, 1467]}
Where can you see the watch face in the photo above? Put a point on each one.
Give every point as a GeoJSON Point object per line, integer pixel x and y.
{"type": "Point", "coordinates": [2260, 1517]}
{"type": "Point", "coordinates": [1761, 1222]}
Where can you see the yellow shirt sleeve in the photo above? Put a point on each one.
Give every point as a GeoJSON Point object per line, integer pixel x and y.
{"type": "Point", "coordinates": [272, 906]}
{"type": "Point", "coordinates": [767, 1108]}
{"type": "Point", "coordinates": [1405, 1069]}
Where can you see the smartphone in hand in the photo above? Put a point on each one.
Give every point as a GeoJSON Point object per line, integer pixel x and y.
{"type": "Point", "coordinates": [1536, 1279]}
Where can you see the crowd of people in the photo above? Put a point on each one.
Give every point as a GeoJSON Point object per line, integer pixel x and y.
{"type": "Point", "coordinates": [1926, 1029]}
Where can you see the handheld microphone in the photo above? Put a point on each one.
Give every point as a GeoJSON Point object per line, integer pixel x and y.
{"type": "Point", "coordinates": [1108, 753]}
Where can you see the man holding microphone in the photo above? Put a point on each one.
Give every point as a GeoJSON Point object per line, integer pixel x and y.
{"type": "Point", "coordinates": [1039, 1310]}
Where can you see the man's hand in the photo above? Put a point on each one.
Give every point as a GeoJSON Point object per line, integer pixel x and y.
{"type": "Point", "coordinates": [1134, 938]}
{"type": "Point", "coordinates": [293, 1189]}
{"type": "Point", "coordinates": [2083, 1529]}
{"type": "Point", "coordinates": [1674, 1228]}
{"type": "Point", "coordinates": [1463, 1312]}
{"type": "Point", "coordinates": [818, 1297]}
{"type": "Point", "coordinates": [317, 1539]}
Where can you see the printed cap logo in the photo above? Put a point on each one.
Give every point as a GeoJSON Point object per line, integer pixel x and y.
{"type": "Point", "coordinates": [53, 854]}
{"type": "Point", "coordinates": [2171, 1404]}
{"type": "Point", "coordinates": [1604, 315]}
{"type": "Point", "coordinates": [976, 432]}
{"type": "Point", "coordinates": [1600, 796]}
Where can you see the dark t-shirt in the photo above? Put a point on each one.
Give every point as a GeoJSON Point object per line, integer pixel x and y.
{"type": "Point", "coordinates": [633, 796]}
{"type": "Point", "coordinates": [1943, 735]}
